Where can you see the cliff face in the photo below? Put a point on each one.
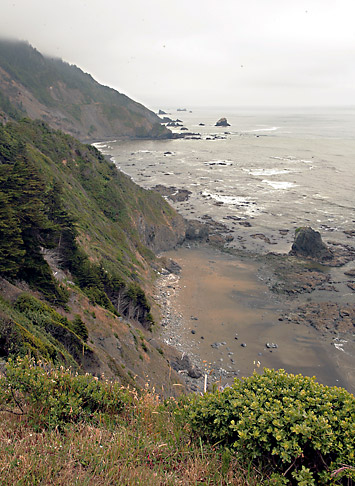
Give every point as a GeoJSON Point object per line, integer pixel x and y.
{"type": "Point", "coordinates": [68, 99]}
{"type": "Point", "coordinates": [162, 237]}
{"type": "Point", "coordinates": [80, 238]}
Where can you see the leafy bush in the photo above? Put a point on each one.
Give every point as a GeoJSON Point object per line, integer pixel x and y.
{"type": "Point", "coordinates": [71, 335]}
{"type": "Point", "coordinates": [53, 397]}
{"type": "Point", "coordinates": [303, 429]}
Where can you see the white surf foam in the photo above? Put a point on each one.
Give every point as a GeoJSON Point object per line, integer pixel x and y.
{"type": "Point", "coordinates": [279, 185]}
{"type": "Point", "coordinates": [268, 172]}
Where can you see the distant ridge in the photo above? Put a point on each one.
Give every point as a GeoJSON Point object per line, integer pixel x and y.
{"type": "Point", "coordinates": [68, 99]}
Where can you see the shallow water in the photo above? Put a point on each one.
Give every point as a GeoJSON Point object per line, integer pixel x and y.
{"type": "Point", "coordinates": [275, 170]}
{"type": "Point", "coordinates": [221, 298]}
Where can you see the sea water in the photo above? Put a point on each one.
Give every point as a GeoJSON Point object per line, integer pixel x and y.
{"type": "Point", "coordinates": [263, 176]}
{"type": "Point", "coordinates": [275, 169]}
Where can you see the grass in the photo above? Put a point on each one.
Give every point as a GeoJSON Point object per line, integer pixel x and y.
{"type": "Point", "coordinates": [146, 445]}
{"type": "Point", "coordinates": [61, 428]}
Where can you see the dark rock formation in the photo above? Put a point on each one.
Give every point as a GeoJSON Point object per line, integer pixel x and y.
{"type": "Point", "coordinates": [172, 192]}
{"type": "Point", "coordinates": [350, 273]}
{"type": "Point", "coordinates": [164, 236]}
{"type": "Point", "coordinates": [222, 122]}
{"type": "Point", "coordinates": [261, 236]}
{"type": "Point", "coordinates": [308, 243]}
{"type": "Point", "coordinates": [171, 266]}
{"type": "Point", "coordinates": [327, 317]}
{"type": "Point", "coordinates": [184, 365]}
{"type": "Point", "coordinates": [161, 112]}
{"type": "Point", "coordinates": [174, 124]}
{"type": "Point", "coordinates": [296, 276]}
{"type": "Point", "coordinates": [196, 230]}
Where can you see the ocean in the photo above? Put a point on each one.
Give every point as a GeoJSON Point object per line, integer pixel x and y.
{"type": "Point", "coordinates": [274, 169]}
{"type": "Point", "coordinates": [263, 176]}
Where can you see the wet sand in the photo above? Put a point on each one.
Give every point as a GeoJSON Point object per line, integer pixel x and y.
{"type": "Point", "coordinates": [221, 300]}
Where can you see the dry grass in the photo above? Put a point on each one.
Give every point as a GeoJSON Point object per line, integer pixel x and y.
{"type": "Point", "coordinates": [147, 447]}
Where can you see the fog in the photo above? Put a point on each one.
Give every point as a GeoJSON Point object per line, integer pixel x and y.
{"type": "Point", "coordinates": [200, 52]}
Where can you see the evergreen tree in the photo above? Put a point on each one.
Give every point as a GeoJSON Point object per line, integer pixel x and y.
{"type": "Point", "coordinates": [11, 243]}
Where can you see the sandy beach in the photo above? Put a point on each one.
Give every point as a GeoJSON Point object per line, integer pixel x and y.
{"type": "Point", "coordinates": [220, 312]}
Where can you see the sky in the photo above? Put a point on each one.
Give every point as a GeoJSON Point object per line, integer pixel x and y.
{"type": "Point", "coordinates": [189, 53]}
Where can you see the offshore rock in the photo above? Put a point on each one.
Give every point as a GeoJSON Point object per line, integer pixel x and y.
{"type": "Point", "coordinates": [308, 243]}
{"type": "Point", "coordinates": [222, 122]}
{"type": "Point", "coordinates": [172, 192]}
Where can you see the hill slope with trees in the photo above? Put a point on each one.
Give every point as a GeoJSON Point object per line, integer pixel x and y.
{"type": "Point", "coordinates": [77, 242]}
{"type": "Point", "coordinates": [68, 99]}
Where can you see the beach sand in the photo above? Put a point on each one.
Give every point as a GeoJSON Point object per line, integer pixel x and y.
{"type": "Point", "coordinates": [221, 300]}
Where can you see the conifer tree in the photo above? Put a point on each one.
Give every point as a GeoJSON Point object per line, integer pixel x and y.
{"type": "Point", "coordinates": [11, 243]}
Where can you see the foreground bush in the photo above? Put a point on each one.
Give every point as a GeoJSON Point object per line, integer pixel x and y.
{"type": "Point", "coordinates": [54, 430]}
{"type": "Point", "coordinates": [302, 429]}
{"type": "Point", "coordinates": [52, 397]}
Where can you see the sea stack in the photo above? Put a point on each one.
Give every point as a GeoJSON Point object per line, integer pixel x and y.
{"type": "Point", "coordinates": [308, 243]}
{"type": "Point", "coordinates": [222, 122]}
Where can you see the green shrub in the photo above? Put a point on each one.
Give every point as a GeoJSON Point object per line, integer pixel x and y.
{"type": "Point", "coordinates": [53, 397]}
{"type": "Point", "coordinates": [303, 429]}
{"type": "Point", "coordinates": [79, 328]}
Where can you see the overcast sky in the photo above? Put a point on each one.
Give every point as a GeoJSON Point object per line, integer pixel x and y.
{"type": "Point", "coordinates": [167, 53]}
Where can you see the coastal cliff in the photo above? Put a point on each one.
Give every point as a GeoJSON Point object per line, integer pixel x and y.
{"type": "Point", "coordinates": [77, 261]}
{"type": "Point", "coordinates": [68, 99]}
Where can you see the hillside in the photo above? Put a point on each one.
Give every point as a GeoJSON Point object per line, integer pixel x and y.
{"type": "Point", "coordinates": [77, 242]}
{"type": "Point", "coordinates": [68, 99]}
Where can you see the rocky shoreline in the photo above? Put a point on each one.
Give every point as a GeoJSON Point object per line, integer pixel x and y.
{"type": "Point", "coordinates": [174, 332]}
{"type": "Point", "coordinates": [289, 278]}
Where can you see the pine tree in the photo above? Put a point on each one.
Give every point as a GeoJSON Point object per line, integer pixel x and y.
{"type": "Point", "coordinates": [11, 243]}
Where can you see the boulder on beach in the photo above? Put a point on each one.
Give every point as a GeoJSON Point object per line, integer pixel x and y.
{"type": "Point", "coordinates": [195, 230]}
{"type": "Point", "coordinates": [308, 243]}
{"type": "Point", "coordinates": [184, 365]}
{"type": "Point", "coordinates": [222, 122]}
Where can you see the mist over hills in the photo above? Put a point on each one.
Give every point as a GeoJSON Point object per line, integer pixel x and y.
{"type": "Point", "coordinates": [77, 236]}
{"type": "Point", "coordinates": [68, 99]}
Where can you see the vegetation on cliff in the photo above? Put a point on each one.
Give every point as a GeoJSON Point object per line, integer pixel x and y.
{"type": "Point", "coordinates": [67, 98]}
{"type": "Point", "coordinates": [61, 428]}
{"type": "Point", "coordinates": [299, 430]}
{"type": "Point", "coordinates": [71, 223]}
{"type": "Point", "coordinates": [77, 242]}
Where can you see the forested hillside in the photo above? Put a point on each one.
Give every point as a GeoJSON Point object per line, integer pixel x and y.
{"type": "Point", "coordinates": [67, 98]}
{"type": "Point", "coordinates": [74, 229]}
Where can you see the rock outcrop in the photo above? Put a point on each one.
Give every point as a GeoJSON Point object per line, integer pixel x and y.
{"type": "Point", "coordinates": [326, 317]}
{"type": "Point", "coordinates": [308, 243]}
{"type": "Point", "coordinates": [222, 122]}
{"type": "Point", "coordinates": [163, 235]}
{"type": "Point", "coordinates": [184, 365]}
{"type": "Point", "coordinates": [196, 230]}
{"type": "Point", "coordinates": [173, 193]}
